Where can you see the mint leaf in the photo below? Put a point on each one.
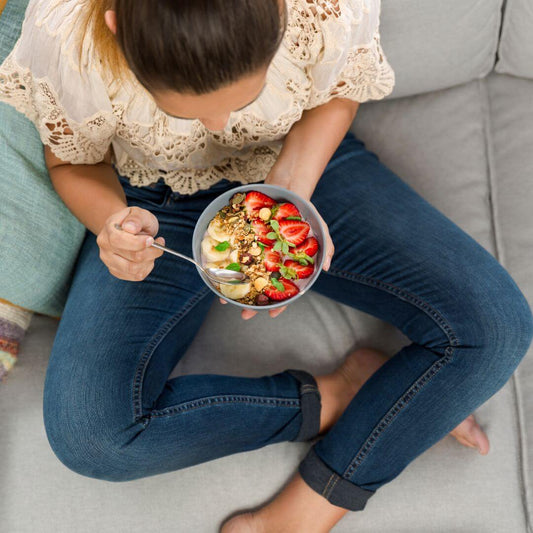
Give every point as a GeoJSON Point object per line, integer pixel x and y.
{"type": "Point", "coordinates": [278, 284]}
{"type": "Point", "coordinates": [293, 218]}
{"type": "Point", "coordinates": [277, 246]}
{"type": "Point", "coordinates": [261, 245]}
{"type": "Point", "coordinates": [274, 224]}
{"type": "Point", "coordinates": [272, 235]}
{"type": "Point", "coordinates": [234, 266]}
{"type": "Point", "coordinates": [224, 245]}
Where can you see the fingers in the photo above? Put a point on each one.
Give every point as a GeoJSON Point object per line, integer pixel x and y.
{"type": "Point", "coordinates": [275, 312]}
{"type": "Point", "coordinates": [246, 314]}
{"type": "Point", "coordinates": [125, 243]}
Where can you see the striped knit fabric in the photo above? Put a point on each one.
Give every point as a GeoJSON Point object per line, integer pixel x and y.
{"type": "Point", "coordinates": [14, 322]}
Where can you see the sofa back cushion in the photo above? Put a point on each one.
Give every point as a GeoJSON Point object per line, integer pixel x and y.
{"type": "Point", "coordinates": [432, 44]}
{"type": "Point", "coordinates": [516, 44]}
{"type": "Point", "coordinates": [39, 237]}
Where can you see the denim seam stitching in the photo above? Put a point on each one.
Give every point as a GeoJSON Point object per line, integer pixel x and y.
{"type": "Point", "coordinates": [207, 401]}
{"type": "Point", "coordinates": [324, 492]}
{"type": "Point", "coordinates": [152, 345]}
{"type": "Point", "coordinates": [400, 404]}
{"type": "Point", "coordinates": [335, 481]}
{"type": "Point", "coordinates": [411, 298]}
{"type": "Point", "coordinates": [393, 412]}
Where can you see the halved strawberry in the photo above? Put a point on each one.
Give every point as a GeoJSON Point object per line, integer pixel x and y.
{"type": "Point", "coordinates": [285, 210]}
{"type": "Point", "coordinates": [301, 270]}
{"type": "Point", "coordinates": [255, 200]}
{"type": "Point", "coordinates": [308, 247]}
{"type": "Point", "coordinates": [272, 260]}
{"type": "Point", "coordinates": [274, 294]}
{"type": "Point", "coordinates": [262, 230]}
{"type": "Point", "coordinates": [294, 231]}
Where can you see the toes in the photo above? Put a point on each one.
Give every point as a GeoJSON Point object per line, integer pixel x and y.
{"type": "Point", "coordinates": [469, 433]}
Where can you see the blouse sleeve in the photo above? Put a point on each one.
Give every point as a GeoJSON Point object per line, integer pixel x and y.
{"type": "Point", "coordinates": [65, 99]}
{"type": "Point", "coordinates": [351, 63]}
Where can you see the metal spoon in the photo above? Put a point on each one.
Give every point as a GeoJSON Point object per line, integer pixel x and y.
{"type": "Point", "coordinates": [218, 275]}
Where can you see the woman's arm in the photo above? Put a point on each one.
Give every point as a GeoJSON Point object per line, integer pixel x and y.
{"type": "Point", "coordinates": [310, 144]}
{"type": "Point", "coordinates": [91, 192]}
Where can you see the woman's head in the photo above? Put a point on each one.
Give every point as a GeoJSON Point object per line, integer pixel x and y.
{"type": "Point", "coordinates": [198, 58]}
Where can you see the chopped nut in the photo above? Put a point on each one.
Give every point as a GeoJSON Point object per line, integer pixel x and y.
{"type": "Point", "coordinates": [247, 259]}
{"type": "Point", "coordinates": [264, 213]}
{"type": "Point", "coordinates": [233, 219]}
{"type": "Point", "coordinates": [260, 283]}
{"type": "Point", "coordinates": [255, 251]}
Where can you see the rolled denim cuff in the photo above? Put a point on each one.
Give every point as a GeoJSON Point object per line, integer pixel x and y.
{"type": "Point", "coordinates": [336, 489]}
{"type": "Point", "coordinates": [310, 405]}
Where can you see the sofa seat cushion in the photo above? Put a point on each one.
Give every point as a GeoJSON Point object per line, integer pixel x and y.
{"type": "Point", "coordinates": [511, 101]}
{"type": "Point", "coordinates": [516, 44]}
{"type": "Point", "coordinates": [437, 143]}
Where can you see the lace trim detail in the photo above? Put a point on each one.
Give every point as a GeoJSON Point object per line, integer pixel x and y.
{"type": "Point", "coordinates": [250, 168]}
{"type": "Point", "coordinates": [78, 143]}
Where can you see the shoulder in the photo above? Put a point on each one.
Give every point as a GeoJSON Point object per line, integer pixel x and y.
{"type": "Point", "coordinates": [317, 24]}
{"type": "Point", "coordinates": [55, 28]}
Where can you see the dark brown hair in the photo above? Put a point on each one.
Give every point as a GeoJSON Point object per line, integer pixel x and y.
{"type": "Point", "coordinates": [188, 46]}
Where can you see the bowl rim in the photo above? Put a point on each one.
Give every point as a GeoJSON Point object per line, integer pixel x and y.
{"type": "Point", "coordinates": [278, 190]}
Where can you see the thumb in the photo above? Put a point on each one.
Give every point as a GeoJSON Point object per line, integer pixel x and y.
{"type": "Point", "coordinates": [140, 220]}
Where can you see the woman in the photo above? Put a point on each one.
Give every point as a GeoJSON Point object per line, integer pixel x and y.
{"type": "Point", "coordinates": [148, 111]}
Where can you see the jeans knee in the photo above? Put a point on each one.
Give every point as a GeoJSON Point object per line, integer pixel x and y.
{"type": "Point", "coordinates": [503, 330]}
{"type": "Point", "coordinates": [84, 450]}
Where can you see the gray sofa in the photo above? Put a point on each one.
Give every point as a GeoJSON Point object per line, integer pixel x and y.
{"type": "Point", "coordinates": [459, 129]}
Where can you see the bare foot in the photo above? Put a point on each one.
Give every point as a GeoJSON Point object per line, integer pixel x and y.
{"type": "Point", "coordinates": [469, 433]}
{"type": "Point", "coordinates": [298, 508]}
{"type": "Point", "coordinates": [339, 388]}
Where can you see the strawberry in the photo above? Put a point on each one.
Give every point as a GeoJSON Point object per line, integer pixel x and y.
{"type": "Point", "coordinates": [262, 230]}
{"type": "Point", "coordinates": [272, 260]}
{"type": "Point", "coordinates": [255, 200]}
{"type": "Point", "coordinates": [308, 247]}
{"type": "Point", "coordinates": [275, 294]}
{"type": "Point", "coordinates": [281, 211]}
{"type": "Point", "coordinates": [294, 231]}
{"type": "Point", "coordinates": [301, 270]}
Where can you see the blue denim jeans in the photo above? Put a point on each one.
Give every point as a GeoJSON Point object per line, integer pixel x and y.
{"type": "Point", "coordinates": [111, 412]}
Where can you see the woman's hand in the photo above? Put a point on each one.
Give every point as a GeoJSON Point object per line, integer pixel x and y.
{"type": "Point", "coordinates": [330, 250]}
{"type": "Point", "coordinates": [128, 253]}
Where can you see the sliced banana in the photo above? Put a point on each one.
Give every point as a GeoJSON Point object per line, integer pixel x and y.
{"type": "Point", "coordinates": [209, 251]}
{"type": "Point", "coordinates": [235, 291]}
{"type": "Point", "coordinates": [234, 256]}
{"type": "Point", "coordinates": [217, 231]}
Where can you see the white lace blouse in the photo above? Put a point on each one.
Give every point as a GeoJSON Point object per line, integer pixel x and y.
{"type": "Point", "coordinates": [331, 49]}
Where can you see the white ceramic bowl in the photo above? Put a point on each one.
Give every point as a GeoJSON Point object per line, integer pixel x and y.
{"type": "Point", "coordinates": [309, 214]}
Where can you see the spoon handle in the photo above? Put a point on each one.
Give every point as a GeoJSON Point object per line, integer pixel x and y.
{"type": "Point", "coordinates": [173, 252]}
